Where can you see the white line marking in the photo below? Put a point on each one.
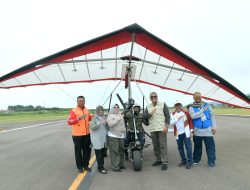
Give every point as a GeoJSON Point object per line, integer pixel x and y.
{"type": "Point", "coordinates": [235, 115]}
{"type": "Point", "coordinates": [32, 126]}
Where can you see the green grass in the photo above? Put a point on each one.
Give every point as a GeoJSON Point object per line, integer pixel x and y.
{"type": "Point", "coordinates": [235, 111]}
{"type": "Point", "coordinates": [21, 117]}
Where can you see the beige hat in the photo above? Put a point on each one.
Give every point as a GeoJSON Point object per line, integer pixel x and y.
{"type": "Point", "coordinates": [197, 93]}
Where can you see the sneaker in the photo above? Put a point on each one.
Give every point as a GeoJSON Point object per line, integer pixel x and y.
{"type": "Point", "coordinates": [189, 165]}
{"type": "Point", "coordinates": [164, 167]}
{"type": "Point", "coordinates": [103, 171]}
{"type": "Point", "coordinates": [156, 163]}
{"type": "Point", "coordinates": [211, 166]}
{"type": "Point", "coordinates": [182, 163]}
{"type": "Point", "coordinates": [196, 163]}
{"type": "Point", "coordinates": [87, 169]}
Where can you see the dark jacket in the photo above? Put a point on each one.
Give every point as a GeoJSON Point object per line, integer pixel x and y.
{"type": "Point", "coordinates": [139, 119]}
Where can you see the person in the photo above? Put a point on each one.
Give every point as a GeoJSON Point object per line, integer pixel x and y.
{"type": "Point", "coordinates": [183, 128]}
{"type": "Point", "coordinates": [204, 128]}
{"type": "Point", "coordinates": [79, 120]}
{"type": "Point", "coordinates": [98, 133]}
{"type": "Point", "coordinates": [139, 119]}
{"type": "Point", "coordinates": [116, 130]}
{"type": "Point", "coordinates": [158, 118]}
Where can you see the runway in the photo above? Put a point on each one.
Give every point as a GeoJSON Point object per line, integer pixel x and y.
{"type": "Point", "coordinates": [42, 157]}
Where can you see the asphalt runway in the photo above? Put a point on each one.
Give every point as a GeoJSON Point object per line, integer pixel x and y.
{"type": "Point", "coordinates": [37, 158]}
{"type": "Point", "coordinates": [232, 170]}
{"type": "Point", "coordinates": [43, 158]}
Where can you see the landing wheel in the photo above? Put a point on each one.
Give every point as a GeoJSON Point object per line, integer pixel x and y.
{"type": "Point", "coordinates": [137, 160]}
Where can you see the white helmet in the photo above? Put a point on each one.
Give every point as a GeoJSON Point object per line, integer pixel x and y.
{"type": "Point", "coordinates": [136, 105]}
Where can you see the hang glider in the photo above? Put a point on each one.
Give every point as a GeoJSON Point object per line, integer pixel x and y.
{"type": "Point", "coordinates": [152, 60]}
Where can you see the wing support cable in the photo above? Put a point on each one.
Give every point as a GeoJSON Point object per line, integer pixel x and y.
{"type": "Point", "coordinates": [192, 83]}
{"type": "Point", "coordinates": [18, 81]}
{"type": "Point", "coordinates": [169, 74]}
{"type": "Point", "coordinates": [112, 92]}
{"type": "Point", "coordinates": [62, 73]}
{"type": "Point", "coordinates": [87, 66]}
{"type": "Point", "coordinates": [58, 87]}
{"type": "Point", "coordinates": [2, 84]}
{"type": "Point", "coordinates": [37, 77]}
{"type": "Point", "coordinates": [143, 62]}
{"type": "Point", "coordinates": [74, 67]}
{"type": "Point", "coordinates": [244, 104]}
{"type": "Point", "coordinates": [157, 65]}
{"type": "Point", "coordinates": [212, 91]}
{"type": "Point", "coordinates": [105, 92]}
{"type": "Point", "coordinates": [180, 79]}
{"type": "Point", "coordinates": [231, 98]}
{"type": "Point", "coordinates": [141, 92]}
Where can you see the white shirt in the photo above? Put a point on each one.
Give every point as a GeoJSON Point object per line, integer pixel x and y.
{"type": "Point", "coordinates": [179, 124]}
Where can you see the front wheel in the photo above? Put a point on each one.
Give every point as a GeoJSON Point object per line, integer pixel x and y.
{"type": "Point", "coordinates": [137, 160]}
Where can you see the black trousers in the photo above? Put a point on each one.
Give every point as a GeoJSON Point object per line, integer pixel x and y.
{"type": "Point", "coordinates": [82, 150]}
{"type": "Point", "coordinates": [100, 153]}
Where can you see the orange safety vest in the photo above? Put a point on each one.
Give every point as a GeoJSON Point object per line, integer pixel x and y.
{"type": "Point", "coordinates": [81, 127]}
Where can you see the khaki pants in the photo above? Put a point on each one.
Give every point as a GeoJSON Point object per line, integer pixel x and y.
{"type": "Point", "coordinates": [159, 139]}
{"type": "Point", "coordinates": [116, 148]}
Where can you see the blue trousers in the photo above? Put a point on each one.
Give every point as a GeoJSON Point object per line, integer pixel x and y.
{"type": "Point", "coordinates": [210, 149]}
{"type": "Point", "coordinates": [182, 139]}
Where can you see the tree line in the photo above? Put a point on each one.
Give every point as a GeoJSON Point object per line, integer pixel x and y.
{"type": "Point", "coordinates": [29, 108]}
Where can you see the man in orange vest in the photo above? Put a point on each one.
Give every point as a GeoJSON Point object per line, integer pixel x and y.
{"type": "Point", "coordinates": [79, 120]}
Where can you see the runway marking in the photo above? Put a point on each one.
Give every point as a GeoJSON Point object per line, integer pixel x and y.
{"type": "Point", "coordinates": [81, 176]}
{"type": "Point", "coordinates": [32, 126]}
{"type": "Point", "coordinates": [233, 115]}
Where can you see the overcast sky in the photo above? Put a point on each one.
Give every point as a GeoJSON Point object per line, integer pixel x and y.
{"type": "Point", "coordinates": [216, 33]}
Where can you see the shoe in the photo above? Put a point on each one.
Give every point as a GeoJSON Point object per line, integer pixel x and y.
{"type": "Point", "coordinates": [103, 171]}
{"type": "Point", "coordinates": [87, 169]}
{"type": "Point", "coordinates": [196, 163]}
{"type": "Point", "coordinates": [182, 163]}
{"type": "Point", "coordinates": [81, 171]}
{"type": "Point", "coordinates": [122, 167]}
{"type": "Point", "coordinates": [156, 163]}
{"type": "Point", "coordinates": [211, 166]}
{"type": "Point", "coordinates": [164, 167]}
{"type": "Point", "coordinates": [189, 165]}
{"type": "Point", "coordinates": [117, 170]}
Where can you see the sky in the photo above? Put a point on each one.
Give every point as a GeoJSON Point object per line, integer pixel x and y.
{"type": "Point", "coordinates": [215, 33]}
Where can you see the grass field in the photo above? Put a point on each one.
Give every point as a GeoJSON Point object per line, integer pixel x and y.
{"type": "Point", "coordinates": [20, 117]}
{"type": "Point", "coordinates": [234, 111]}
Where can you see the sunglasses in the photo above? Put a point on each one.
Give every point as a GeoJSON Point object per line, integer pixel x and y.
{"type": "Point", "coordinates": [153, 96]}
